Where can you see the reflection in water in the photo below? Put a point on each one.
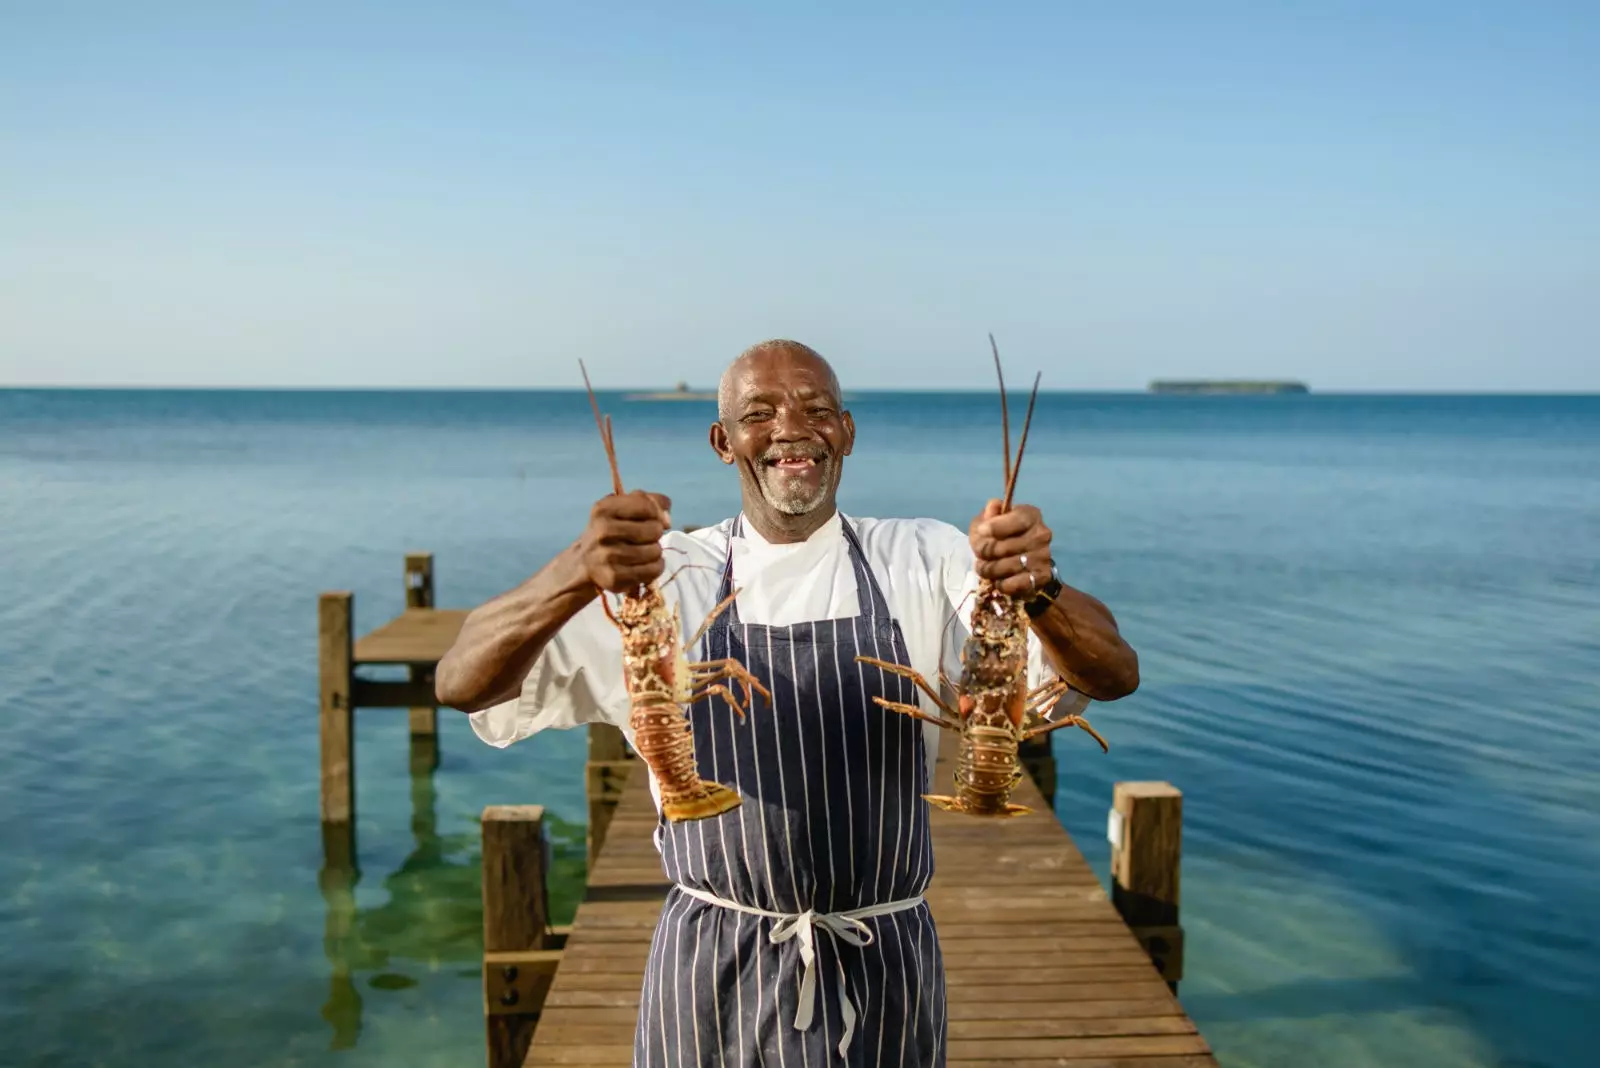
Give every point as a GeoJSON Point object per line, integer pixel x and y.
{"type": "Point", "coordinates": [434, 909]}
{"type": "Point", "coordinates": [337, 880]}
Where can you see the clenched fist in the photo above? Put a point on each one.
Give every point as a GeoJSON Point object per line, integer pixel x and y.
{"type": "Point", "coordinates": [1011, 548]}
{"type": "Point", "coordinates": [621, 546]}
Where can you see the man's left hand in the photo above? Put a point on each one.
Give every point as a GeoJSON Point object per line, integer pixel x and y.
{"type": "Point", "coordinates": [1012, 549]}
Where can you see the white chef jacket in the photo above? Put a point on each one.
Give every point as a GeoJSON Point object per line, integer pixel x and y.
{"type": "Point", "coordinates": [924, 566]}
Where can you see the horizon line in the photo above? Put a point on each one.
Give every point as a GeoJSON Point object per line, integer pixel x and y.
{"type": "Point", "coordinates": [656, 392]}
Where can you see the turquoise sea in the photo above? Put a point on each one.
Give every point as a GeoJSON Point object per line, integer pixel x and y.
{"type": "Point", "coordinates": [1369, 629]}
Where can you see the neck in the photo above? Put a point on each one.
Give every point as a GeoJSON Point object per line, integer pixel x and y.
{"type": "Point", "coordinates": [780, 528]}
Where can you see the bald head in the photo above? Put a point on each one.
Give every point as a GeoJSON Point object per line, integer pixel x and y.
{"type": "Point", "coordinates": [781, 423]}
{"type": "Point", "coordinates": [775, 352]}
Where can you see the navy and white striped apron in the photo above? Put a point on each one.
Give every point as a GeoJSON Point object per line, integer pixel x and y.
{"type": "Point", "coordinates": [833, 821]}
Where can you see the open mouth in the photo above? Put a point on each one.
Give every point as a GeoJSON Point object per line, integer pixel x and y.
{"type": "Point", "coordinates": [793, 463]}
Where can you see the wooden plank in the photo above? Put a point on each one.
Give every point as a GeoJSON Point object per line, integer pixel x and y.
{"type": "Point", "coordinates": [1068, 1049]}
{"type": "Point", "coordinates": [1052, 1026]}
{"type": "Point", "coordinates": [604, 779]}
{"type": "Point", "coordinates": [419, 636]}
{"type": "Point", "coordinates": [1040, 969]}
{"type": "Point", "coordinates": [1201, 1060]}
{"type": "Point", "coordinates": [374, 693]}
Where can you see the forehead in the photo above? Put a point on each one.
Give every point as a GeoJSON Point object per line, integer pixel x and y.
{"type": "Point", "coordinates": [773, 375]}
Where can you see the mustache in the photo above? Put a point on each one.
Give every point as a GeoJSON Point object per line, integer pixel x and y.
{"type": "Point", "coordinates": [795, 452]}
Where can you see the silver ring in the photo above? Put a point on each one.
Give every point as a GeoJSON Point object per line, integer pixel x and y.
{"type": "Point", "coordinates": [1024, 561]}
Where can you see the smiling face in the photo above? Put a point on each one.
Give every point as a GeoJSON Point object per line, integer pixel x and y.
{"type": "Point", "coordinates": [780, 422]}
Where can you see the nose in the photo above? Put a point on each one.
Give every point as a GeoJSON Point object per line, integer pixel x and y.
{"type": "Point", "coordinates": [790, 425]}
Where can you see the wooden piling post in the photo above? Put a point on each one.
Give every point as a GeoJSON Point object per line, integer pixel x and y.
{"type": "Point", "coordinates": [419, 594]}
{"type": "Point", "coordinates": [1038, 759]}
{"type": "Point", "coordinates": [520, 951]}
{"type": "Point", "coordinates": [605, 775]}
{"type": "Point", "coordinates": [335, 670]}
{"type": "Point", "coordinates": [1146, 834]}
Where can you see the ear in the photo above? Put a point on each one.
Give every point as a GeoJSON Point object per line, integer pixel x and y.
{"type": "Point", "coordinates": [720, 444]}
{"type": "Point", "coordinates": [849, 432]}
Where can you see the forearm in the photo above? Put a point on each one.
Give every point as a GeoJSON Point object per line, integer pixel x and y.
{"type": "Point", "coordinates": [501, 639]}
{"type": "Point", "coordinates": [1081, 640]}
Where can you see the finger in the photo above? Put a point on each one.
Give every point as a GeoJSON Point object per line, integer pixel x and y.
{"type": "Point", "coordinates": [980, 522]}
{"type": "Point", "coordinates": [635, 505]}
{"type": "Point", "coordinates": [618, 556]}
{"type": "Point", "coordinates": [1014, 522]}
{"type": "Point", "coordinates": [629, 577]}
{"type": "Point", "coordinates": [630, 531]}
{"type": "Point", "coordinates": [1017, 585]}
{"type": "Point", "coordinates": [1034, 544]}
{"type": "Point", "coordinates": [1003, 568]}
{"type": "Point", "coordinates": [665, 504]}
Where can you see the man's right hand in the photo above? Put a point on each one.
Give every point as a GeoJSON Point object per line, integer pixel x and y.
{"type": "Point", "coordinates": [621, 547]}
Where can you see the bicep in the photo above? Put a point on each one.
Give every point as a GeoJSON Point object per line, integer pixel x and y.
{"type": "Point", "coordinates": [575, 680]}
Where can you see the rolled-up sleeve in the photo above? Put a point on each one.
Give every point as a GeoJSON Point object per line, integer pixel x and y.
{"type": "Point", "coordinates": [577, 680]}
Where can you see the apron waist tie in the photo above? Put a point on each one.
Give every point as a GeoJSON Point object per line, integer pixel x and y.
{"type": "Point", "coordinates": [846, 926]}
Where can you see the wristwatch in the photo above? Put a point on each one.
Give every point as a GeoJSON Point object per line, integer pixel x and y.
{"type": "Point", "coordinates": [1045, 595]}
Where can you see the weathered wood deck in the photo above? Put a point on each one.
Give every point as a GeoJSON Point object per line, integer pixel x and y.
{"type": "Point", "coordinates": [1040, 967]}
{"type": "Point", "coordinates": [417, 637]}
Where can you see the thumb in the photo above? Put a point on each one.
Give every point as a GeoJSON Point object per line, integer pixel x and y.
{"type": "Point", "coordinates": [663, 502]}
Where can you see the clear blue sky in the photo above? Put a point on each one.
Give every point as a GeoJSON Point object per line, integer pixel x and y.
{"type": "Point", "coordinates": [1368, 196]}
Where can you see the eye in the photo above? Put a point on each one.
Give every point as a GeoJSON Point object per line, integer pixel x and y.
{"type": "Point", "coordinates": [757, 416]}
{"type": "Point", "coordinates": [819, 412]}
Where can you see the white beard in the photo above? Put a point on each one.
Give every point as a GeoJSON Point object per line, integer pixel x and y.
{"type": "Point", "coordinates": [794, 498]}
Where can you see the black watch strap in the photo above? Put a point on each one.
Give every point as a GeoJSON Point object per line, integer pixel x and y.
{"type": "Point", "coordinates": [1045, 595]}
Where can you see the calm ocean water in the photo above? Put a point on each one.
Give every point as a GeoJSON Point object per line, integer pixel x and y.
{"type": "Point", "coordinates": [1369, 630]}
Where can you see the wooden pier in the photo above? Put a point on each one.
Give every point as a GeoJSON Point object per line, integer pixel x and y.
{"type": "Point", "coordinates": [415, 640]}
{"type": "Point", "coordinates": [1043, 966]}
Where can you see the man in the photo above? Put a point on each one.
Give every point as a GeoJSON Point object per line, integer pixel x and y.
{"type": "Point", "coordinates": [796, 934]}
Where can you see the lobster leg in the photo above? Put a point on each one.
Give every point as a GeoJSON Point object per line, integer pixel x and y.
{"type": "Point", "coordinates": [907, 673]}
{"type": "Point", "coordinates": [916, 713]}
{"type": "Point", "coordinates": [715, 612]}
{"type": "Point", "coordinates": [1042, 698]}
{"type": "Point", "coordinates": [1070, 721]}
{"type": "Point", "coordinates": [727, 696]}
{"type": "Point", "coordinates": [702, 674]}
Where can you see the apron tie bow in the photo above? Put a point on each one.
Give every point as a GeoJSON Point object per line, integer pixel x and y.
{"type": "Point", "coordinates": [802, 927]}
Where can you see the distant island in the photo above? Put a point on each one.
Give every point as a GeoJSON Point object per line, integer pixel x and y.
{"type": "Point", "coordinates": [682, 393]}
{"type": "Point", "coordinates": [1227, 385]}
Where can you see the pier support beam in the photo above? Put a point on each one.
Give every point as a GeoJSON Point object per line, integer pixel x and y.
{"type": "Point", "coordinates": [520, 950]}
{"type": "Point", "coordinates": [1038, 759]}
{"type": "Point", "coordinates": [605, 775]}
{"type": "Point", "coordinates": [335, 670]}
{"type": "Point", "coordinates": [1146, 834]}
{"type": "Point", "coordinates": [419, 594]}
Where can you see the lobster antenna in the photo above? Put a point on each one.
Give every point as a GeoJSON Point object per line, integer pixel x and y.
{"type": "Point", "coordinates": [1005, 415]}
{"type": "Point", "coordinates": [605, 431]}
{"type": "Point", "coordinates": [1022, 443]}
{"type": "Point", "coordinates": [953, 617]}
